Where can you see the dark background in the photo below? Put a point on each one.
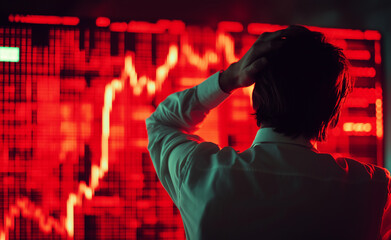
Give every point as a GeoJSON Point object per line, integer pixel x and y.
{"type": "Point", "coordinates": [356, 14]}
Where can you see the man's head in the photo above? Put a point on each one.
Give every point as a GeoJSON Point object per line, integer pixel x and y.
{"type": "Point", "coordinates": [303, 86]}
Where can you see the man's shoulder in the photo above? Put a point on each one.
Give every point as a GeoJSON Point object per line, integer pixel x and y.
{"type": "Point", "coordinates": [363, 171]}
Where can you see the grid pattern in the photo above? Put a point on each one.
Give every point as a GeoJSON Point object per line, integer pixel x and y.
{"type": "Point", "coordinates": [73, 139]}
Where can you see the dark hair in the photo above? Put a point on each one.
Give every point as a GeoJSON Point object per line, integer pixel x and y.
{"type": "Point", "coordinates": [302, 89]}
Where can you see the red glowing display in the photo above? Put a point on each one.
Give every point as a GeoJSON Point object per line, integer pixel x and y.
{"type": "Point", "coordinates": [73, 139]}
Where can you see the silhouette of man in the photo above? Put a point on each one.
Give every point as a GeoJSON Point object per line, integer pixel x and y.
{"type": "Point", "coordinates": [281, 187]}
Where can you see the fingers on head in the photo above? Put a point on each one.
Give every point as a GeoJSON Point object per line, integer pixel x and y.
{"type": "Point", "coordinates": [257, 66]}
{"type": "Point", "coordinates": [270, 36]}
{"type": "Point", "coordinates": [265, 47]}
{"type": "Point", "coordinates": [269, 41]}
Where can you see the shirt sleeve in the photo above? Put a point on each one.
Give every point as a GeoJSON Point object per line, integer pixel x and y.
{"type": "Point", "coordinates": [170, 129]}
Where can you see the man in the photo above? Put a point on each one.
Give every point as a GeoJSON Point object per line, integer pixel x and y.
{"type": "Point", "coordinates": [281, 187]}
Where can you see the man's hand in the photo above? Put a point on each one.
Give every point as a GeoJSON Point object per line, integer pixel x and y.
{"type": "Point", "coordinates": [242, 73]}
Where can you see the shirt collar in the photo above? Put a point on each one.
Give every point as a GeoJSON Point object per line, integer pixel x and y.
{"type": "Point", "coordinates": [270, 136]}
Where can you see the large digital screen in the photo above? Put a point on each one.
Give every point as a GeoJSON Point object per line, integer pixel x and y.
{"type": "Point", "coordinates": [74, 97]}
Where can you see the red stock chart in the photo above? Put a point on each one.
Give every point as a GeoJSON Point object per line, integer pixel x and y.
{"type": "Point", "coordinates": [74, 98]}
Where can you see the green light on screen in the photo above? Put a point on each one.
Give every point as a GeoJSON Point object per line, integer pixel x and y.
{"type": "Point", "coordinates": [9, 54]}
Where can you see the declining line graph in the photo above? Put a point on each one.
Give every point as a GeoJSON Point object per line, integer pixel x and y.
{"type": "Point", "coordinates": [65, 225]}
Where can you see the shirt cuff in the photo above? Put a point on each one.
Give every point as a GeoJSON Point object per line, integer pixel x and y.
{"type": "Point", "coordinates": [209, 92]}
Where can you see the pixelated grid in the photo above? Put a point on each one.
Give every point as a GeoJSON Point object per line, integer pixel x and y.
{"type": "Point", "coordinates": [73, 101]}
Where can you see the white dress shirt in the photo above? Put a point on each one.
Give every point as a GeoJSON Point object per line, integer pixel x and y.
{"type": "Point", "coordinates": [279, 188]}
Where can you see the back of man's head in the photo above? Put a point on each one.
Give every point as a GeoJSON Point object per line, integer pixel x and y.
{"type": "Point", "coordinates": [301, 90]}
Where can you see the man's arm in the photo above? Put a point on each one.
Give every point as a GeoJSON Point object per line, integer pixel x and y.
{"type": "Point", "coordinates": [171, 144]}
{"type": "Point", "coordinates": [170, 127]}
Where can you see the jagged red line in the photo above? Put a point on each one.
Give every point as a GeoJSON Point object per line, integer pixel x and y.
{"type": "Point", "coordinates": [66, 224]}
